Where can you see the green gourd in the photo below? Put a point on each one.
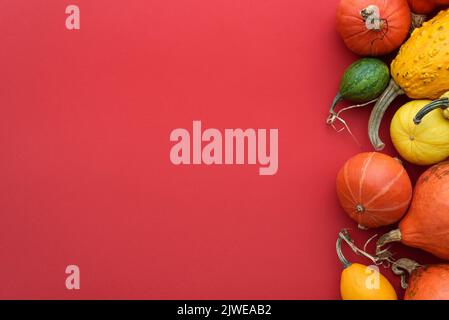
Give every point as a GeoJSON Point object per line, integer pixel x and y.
{"type": "Point", "coordinates": [363, 81]}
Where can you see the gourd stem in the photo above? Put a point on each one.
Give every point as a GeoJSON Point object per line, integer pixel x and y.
{"type": "Point", "coordinates": [392, 236]}
{"type": "Point", "coordinates": [340, 255]}
{"type": "Point", "coordinates": [344, 235]}
{"type": "Point", "coordinates": [371, 16]}
{"type": "Point", "coordinates": [332, 113]}
{"type": "Point", "coordinates": [417, 21]}
{"type": "Point", "coordinates": [387, 97]}
{"type": "Point", "coordinates": [442, 103]}
{"type": "Point", "coordinates": [402, 264]}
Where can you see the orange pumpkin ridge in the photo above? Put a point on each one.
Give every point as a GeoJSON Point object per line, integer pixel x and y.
{"type": "Point", "coordinates": [363, 177]}
{"type": "Point", "coordinates": [386, 188]}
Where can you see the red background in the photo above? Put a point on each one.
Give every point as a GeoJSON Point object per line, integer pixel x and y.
{"type": "Point", "coordinates": [85, 175]}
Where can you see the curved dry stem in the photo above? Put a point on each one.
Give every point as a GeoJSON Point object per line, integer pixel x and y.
{"type": "Point", "coordinates": [332, 114]}
{"type": "Point", "coordinates": [387, 97]}
{"type": "Point", "coordinates": [417, 21]}
{"type": "Point", "coordinates": [335, 116]}
{"type": "Point", "coordinates": [400, 266]}
{"type": "Point", "coordinates": [392, 236]}
{"type": "Point", "coordinates": [344, 235]}
{"type": "Point", "coordinates": [368, 242]}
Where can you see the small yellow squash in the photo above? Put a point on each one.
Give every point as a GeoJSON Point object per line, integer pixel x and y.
{"type": "Point", "coordinates": [360, 282]}
{"type": "Point", "coordinates": [423, 141]}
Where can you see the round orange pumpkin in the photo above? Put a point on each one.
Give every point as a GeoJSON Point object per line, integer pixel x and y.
{"type": "Point", "coordinates": [373, 27]}
{"type": "Point", "coordinates": [429, 283]}
{"type": "Point", "coordinates": [374, 189]}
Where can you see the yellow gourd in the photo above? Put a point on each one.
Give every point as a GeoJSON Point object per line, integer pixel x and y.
{"type": "Point", "coordinates": [421, 142]}
{"type": "Point", "coordinates": [357, 284]}
{"type": "Point", "coordinates": [420, 70]}
{"type": "Point", "coordinates": [360, 282]}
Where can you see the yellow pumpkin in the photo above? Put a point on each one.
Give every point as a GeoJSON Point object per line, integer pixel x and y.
{"type": "Point", "coordinates": [360, 282]}
{"type": "Point", "coordinates": [420, 70]}
{"type": "Point", "coordinates": [425, 143]}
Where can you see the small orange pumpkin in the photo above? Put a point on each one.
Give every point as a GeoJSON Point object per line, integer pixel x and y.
{"type": "Point", "coordinates": [373, 27]}
{"type": "Point", "coordinates": [426, 6]}
{"type": "Point", "coordinates": [374, 189]}
{"type": "Point", "coordinates": [421, 8]}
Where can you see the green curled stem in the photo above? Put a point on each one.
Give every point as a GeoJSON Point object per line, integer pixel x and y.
{"type": "Point", "coordinates": [387, 97]}
{"type": "Point", "coordinates": [442, 103]}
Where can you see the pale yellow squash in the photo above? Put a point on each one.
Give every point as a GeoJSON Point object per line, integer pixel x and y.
{"type": "Point", "coordinates": [426, 143]}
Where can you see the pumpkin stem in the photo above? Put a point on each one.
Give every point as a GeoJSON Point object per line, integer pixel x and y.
{"type": "Point", "coordinates": [398, 160]}
{"type": "Point", "coordinates": [371, 16]}
{"type": "Point", "coordinates": [392, 236]}
{"type": "Point", "coordinates": [442, 103]}
{"type": "Point", "coordinates": [417, 21]}
{"type": "Point", "coordinates": [387, 97]}
{"type": "Point", "coordinates": [400, 266]}
{"type": "Point", "coordinates": [361, 227]}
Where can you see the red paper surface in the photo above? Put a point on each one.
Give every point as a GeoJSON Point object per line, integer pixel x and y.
{"type": "Point", "coordinates": [85, 174]}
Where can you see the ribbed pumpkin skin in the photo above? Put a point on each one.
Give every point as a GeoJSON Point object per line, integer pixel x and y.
{"type": "Point", "coordinates": [429, 283]}
{"type": "Point", "coordinates": [365, 42]}
{"type": "Point", "coordinates": [379, 184]}
{"type": "Point", "coordinates": [426, 225]}
{"type": "Point", "coordinates": [426, 6]}
{"type": "Point", "coordinates": [421, 67]}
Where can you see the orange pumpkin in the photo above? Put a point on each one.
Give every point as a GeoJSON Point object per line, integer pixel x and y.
{"type": "Point", "coordinates": [421, 8]}
{"type": "Point", "coordinates": [374, 189]}
{"type": "Point", "coordinates": [429, 283]}
{"type": "Point", "coordinates": [426, 224]}
{"type": "Point", "coordinates": [426, 6]}
{"type": "Point", "coordinates": [373, 27]}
